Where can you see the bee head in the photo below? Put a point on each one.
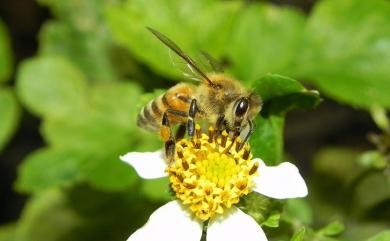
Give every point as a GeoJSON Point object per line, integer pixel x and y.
{"type": "Point", "coordinates": [243, 109]}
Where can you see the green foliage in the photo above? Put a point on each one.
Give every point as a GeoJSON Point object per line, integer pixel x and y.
{"type": "Point", "coordinates": [80, 147]}
{"type": "Point", "coordinates": [9, 107]}
{"type": "Point", "coordinates": [298, 210]}
{"type": "Point", "coordinates": [267, 140]}
{"type": "Point", "coordinates": [272, 220]}
{"type": "Point", "coordinates": [72, 214]}
{"type": "Point", "coordinates": [332, 229]}
{"type": "Point", "coordinates": [157, 189]}
{"type": "Point", "coordinates": [373, 159]}
{"type": "Point", "coordinates": [9, 112]}
{"type": "Point", "coordinates": [206, 32]}
{"type": "Point", "coordinates": [264, 39]}
{"type": "Point", "coordinates": [7, 232]}
{"type": "Point", "coordinates": [378, 114]}
{"type": "Point", "coordinates": [94, 156]}
{"type": "Point", "coordinates": [264, 210]}
{"type": "Point", "coordinates": [5, 54]}
{"type": "Point", "coordinates": [51, 86]}
{"type": "Point", "coordinates": [298, 236]}
{"type": "Point", "coordinates": [383, 236]}
{"type": "Point", "coordinates": [80, 34]}
{"type": "Point", "coordinates": [62, 171]}
{"type": "Point", "coordinates": [280, 95]}
{"type": "Point", "coordinates": [97, 65]}
{"type": "Point", "coordinates": [346, 51]}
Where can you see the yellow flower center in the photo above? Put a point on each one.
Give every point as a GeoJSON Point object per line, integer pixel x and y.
{"type": "Point", "coordinates": [211, 173]}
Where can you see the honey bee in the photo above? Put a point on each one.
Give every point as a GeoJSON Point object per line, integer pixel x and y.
{"type": "Point", "coordinates": [218, 99]}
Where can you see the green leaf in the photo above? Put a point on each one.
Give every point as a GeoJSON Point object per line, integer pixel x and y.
{"type": "Point", "coordinates": [5, 54]}
{"type": "Point", "coordinates": [47, 168]}
{"type": "Point", "coordinates": [365, 198]}
{"type": "Point", "coordinates": [10, 114]}
{"type": "Point", "coordinates": [261, 208]}
{"type": "Point", "coordinates": [382, 236]}
{"type": "Point", "coordinates": [80, 34]}
{"type": "Point", "coordinates": [367, 230]}
{"type": "Point", "coordinates": [46, 209]}
{"type": "Point", "coordinates": [345, 51]}
{"type": "Point", "coordinates": [281, 94]}
{"type": "Point", "coordinates": [82, 15]}
{"type": "Point", "coordinates": [272, 220]}
{"type": "Point", "coordinates": [373, 159]}
{"type": "Point", "coordinates": [156, 189]}
{"type": "Point", "coordinates": [208, 31]}
{"type": "Point", "coordinates": [334, 162]}
{"type": "Point", "coordinates": [8, 232]}
{"type": "Point", "coordinates": [299, 235]}
{"type": "Point", "coordinates": [51, 86]}
{"type": "Point", "coordinates": [298, 209]}
{"type": "Point", "coordinates": [267, 140]}
{"type": "Point", "coordinates": [108, 123]}
{"type": "Point", "coordinates": [86, 131]}
{"type": "Point", "coordinates": [83, 214]}
{"type": "Point", "coordinates": [88, 50]}
{"type": "Point", "coordinates": [116, 101]}
{"type": "Point", "coordinates": [380, 118]}
{"type": "Point", "coordinates": [94, 137]}
{"type": "Point", "coordinates": [106, 172]}
{"type": "Point", "coordinates": [332, 229]}
{"type": "Point", "coordinates": [264, 39]}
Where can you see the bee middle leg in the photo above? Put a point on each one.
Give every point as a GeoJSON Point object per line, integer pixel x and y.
{"type": "Point", "coordinates": [191, 118]}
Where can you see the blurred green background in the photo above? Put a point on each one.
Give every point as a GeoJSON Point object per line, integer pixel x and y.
{"type": "Point", "coordinates": [74, 73]}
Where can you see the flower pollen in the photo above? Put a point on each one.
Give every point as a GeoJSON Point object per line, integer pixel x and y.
{"type": "Point", "coordinates": [211, 173]}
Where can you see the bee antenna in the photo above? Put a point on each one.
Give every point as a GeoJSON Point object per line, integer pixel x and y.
{"type": "Point", "coordinates": [175, 48]}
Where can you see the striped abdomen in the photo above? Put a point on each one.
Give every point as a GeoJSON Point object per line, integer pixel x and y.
{"type": "Point", "coordinates": [177, 98]}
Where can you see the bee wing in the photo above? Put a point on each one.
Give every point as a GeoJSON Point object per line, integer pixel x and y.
{"type": "Point", "coordinates": [204, 61]}
{"type": "Point", "coordinates": [212, 62]}
{"type": "Point", "coordinates": [187, 59]}
{"type": "Point", "coordinates": [185, 68]}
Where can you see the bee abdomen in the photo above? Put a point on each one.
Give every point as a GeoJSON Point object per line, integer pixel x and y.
{"type": "Point", "coordinates": [150, 115]}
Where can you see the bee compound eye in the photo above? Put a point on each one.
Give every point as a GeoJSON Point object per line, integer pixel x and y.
{"type": "Point", "coordinates": [242, 106]}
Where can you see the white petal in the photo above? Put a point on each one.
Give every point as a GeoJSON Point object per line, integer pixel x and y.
{"type": "Point", "coordinates": [282, 181]}
{"type": "Point", "coordinates": [235, 226]}
{"type": "Point", "coordinates": [148, 165]}
{"type": "Point", "coordinates": [169, 223]}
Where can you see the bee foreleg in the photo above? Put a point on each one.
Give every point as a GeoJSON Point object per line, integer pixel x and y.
{"type": "Point", "coordinates": [252, 126]}
{"type": "Point", "coordinates": [191, 116]}
{"type": "Point", "coordinates": [220, 125]}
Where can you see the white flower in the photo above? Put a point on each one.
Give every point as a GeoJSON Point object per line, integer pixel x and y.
{"type": "Point", "coordinates": [183, 219]}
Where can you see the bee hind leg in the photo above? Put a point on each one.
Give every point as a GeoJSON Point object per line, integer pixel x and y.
{"type": "Point", "coordinates": [166, 133]}
{"type": "Point", "coordinates": [180, 132]}
{"type": "Point", "coordinates": [167, 137]}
